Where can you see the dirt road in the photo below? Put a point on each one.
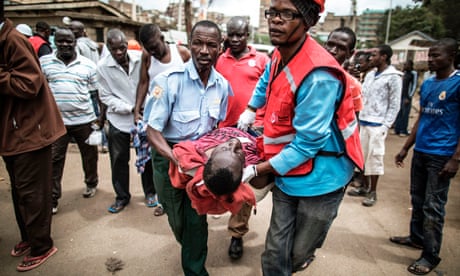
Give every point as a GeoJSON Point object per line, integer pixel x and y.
{"type": "Point", "coordinates": [87, 235]}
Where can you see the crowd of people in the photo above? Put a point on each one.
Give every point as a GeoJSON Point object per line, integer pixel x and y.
{"type": "Point", "coordinates": [215, 129]}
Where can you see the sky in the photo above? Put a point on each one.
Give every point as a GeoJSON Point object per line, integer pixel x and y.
{"type": "Point", "coordinates": [251, 7]}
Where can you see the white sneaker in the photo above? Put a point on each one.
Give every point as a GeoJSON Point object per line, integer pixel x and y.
{"type": "Point", "coordinates": [54, 210]}
{"type": "Point", "coordinates": [89, 192]}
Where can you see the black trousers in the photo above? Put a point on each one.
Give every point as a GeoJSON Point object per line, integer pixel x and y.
{"type": "Point", "coordinates": [89, 157]}
{"type": "Point", "coordinates": [30, 176]}
{"type": "Point", "coordinates": [119, 151]}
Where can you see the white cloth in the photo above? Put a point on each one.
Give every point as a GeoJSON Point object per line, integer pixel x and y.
{"type": "Point", "coordinates": [381, 96]}
{"type": "Point", "coordinates": [117, 89]}
{"type": "Point", "coordinates": [373, 143]}
{"type": "Point", "coordinates": [88, 48]}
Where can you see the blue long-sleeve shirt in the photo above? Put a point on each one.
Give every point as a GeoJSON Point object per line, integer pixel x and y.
{"type": "Point", "coordinates": [316, 129]}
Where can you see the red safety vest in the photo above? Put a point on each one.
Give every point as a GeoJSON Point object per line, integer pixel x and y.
{"type": "Point", "coordinates": [37, 42]}
{"type": "Point", "coordinates": [281, 93]}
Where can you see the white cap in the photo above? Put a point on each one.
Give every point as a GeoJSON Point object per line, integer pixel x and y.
{"type": "Point", "coordinates": [24, 29]}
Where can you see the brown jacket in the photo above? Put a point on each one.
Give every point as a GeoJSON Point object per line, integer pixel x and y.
{"type": "Point", "coordinates": [29, 117]}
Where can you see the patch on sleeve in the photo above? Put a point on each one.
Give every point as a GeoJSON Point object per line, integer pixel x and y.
{"type": "Point", "coordinates": [157, 92]}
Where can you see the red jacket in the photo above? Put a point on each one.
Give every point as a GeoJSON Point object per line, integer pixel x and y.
{"type": "Point", "coordinates": [192, 157]}
{"type": "Point", "coordinates": [281, 94]}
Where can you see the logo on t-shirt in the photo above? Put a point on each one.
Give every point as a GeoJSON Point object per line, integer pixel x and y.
{"type": "Point", "coordinates": [442, 96]}
{"type": "Point", "coordinates": [251, 63]}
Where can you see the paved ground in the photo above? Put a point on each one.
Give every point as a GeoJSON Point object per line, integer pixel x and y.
{"type": "Point", "coordinates": [86, 234]}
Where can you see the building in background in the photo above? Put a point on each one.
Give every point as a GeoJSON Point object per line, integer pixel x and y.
{"type": "Point", "coordinates": [97, 16]}
{"type": "Point", "coordinates": [219, 18]}
{"type": "Point", "coordinates": [263, 25]}
{"type": "Point", "coordinates": [413, 46]}
{"type": "Point", "coordinates": [368, 24]}
{"type": "Point", "coordinates": [331, 22]}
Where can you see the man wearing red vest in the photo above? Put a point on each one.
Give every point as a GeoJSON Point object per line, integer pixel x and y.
{"type": "Point", "coordinates": [310, 140]}
{"type": "Point", "coordinates": [40, 38]}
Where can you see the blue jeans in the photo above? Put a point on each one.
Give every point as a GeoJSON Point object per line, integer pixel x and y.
{"type": "Point", "coordinates": [429, 197]}
{"type": "Point", "coordinates": [298, 226]}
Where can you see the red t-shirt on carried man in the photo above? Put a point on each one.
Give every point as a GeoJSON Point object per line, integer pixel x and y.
{"type": "Point", "coordinates": [192, 158]}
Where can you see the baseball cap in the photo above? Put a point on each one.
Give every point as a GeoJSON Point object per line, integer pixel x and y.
{"type": "Point", "coordinates": [24, 29]}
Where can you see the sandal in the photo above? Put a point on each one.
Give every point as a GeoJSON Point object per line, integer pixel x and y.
{"type": "Point", "coordinates": [421, 267]}
{"type": "Point", "coordinates": [151, 201]}
{"type": "Point", "coordinates": [117, 207]}
{"type": "Point", "coordinates": [405, 241]}
{"type": "Point", "coordinates": [30, 262]}
{"type": "Point", "coordinates": [159, 211]}
{"type": "Point", "coordinates": [20, 249]}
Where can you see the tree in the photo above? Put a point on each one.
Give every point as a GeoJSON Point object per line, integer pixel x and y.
{"type": "Point", "coordinates": [262, 39]}
{"type": "Point", "coordinates": [448, 10]}
{"type": "Point", "coordinates": [406, 20]}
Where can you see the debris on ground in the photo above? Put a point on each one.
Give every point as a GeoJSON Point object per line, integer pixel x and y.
{"type": "Point", "coordinates": [114, 264]}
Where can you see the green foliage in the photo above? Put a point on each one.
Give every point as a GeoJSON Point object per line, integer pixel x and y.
{"type": "Point", "coordinates": [406, 20]}
{"type": "Point", "coordinates": [318, 39]}
{"type": "Point", "coordinates": [262, 39]}
{"type": "Point", "coordinates": [437, 18]}
{"type": "Point", "coordinates": [366, 45]}
{"type": "Point", "coordinates": [448, 10]}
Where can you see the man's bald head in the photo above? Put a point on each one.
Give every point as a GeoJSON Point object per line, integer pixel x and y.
{"type": "Point", "coordinates": [78, 28]}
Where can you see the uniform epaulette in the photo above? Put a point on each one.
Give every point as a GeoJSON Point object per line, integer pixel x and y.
{"type": "Point", "coordinates": [173, 70]}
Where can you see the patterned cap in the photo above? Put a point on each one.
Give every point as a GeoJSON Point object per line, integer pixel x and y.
{"type": "Point", "coordinates": [300, 5]}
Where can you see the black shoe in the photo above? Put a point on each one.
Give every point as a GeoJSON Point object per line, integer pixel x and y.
{"type": "Point", "coordinates": [361, 191]}
{"type": "Point", "coordinates": [405, 240]}
{"type": "Point", "coordinates": [235, 251]}
{"type": "Point", "coordinates": [370, 200]}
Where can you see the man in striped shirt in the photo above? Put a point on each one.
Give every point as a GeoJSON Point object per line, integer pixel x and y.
{"type": "Point", "coordinates": [71, 78]}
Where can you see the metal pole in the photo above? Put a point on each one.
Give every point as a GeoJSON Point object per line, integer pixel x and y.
{"type": "Point", "coordinates": [179, 17]}
{"type": "Point", "coordinates": [388, 23]}
{"type": "Point", "coordinates": [353, 15]}
{"type": "Point", "coordinates": [133, 10]}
